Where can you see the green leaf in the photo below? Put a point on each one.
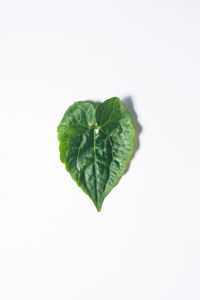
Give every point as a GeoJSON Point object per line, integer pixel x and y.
{"type": "Point", "coordinates": [96, 144]}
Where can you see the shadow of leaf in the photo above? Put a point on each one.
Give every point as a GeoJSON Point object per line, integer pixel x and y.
{"type": "Point", "coordinates": [128, 103]}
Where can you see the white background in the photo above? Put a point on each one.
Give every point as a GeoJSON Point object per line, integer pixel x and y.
{"type": "Point", "coordinates": [145, 243]}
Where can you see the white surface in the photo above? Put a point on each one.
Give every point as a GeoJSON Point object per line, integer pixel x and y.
{"type": "Point", "coordinates": [145, 244]}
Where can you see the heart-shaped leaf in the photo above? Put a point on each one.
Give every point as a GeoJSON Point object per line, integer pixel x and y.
{"type": "Point", "coordinates": [96, 143]}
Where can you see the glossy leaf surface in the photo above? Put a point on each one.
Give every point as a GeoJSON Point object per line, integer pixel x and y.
{"type": "Point", "coordinates": [96, 143]}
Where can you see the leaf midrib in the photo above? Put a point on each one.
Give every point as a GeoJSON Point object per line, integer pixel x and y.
{"type": "Point", "coordinates": [95, 171]}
